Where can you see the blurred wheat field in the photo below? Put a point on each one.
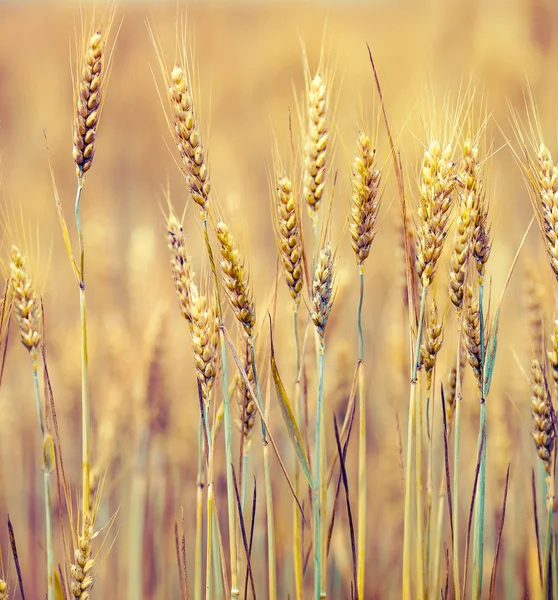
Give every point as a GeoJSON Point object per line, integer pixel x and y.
{"type": "Point", "coordinates": [249, 74]}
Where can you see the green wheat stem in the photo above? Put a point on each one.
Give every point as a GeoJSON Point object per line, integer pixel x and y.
{"type": "Point", "coordinates": [49, 538]}
{"type": "Point", "coordinates": [316, 493]}
{"type": "Point", "coordinates": [457, 425]}
{"type": "Point", "coordinates": [272, 563]}
{"type": "Point", "coordinates": [38, 400]}
{"type": "Point", "coordinates": [362, 489]}
{"type": "Point", "coordinates": [409, 463]}
{"type": "Point", "coordinates": [85, 407]}
{"type": "Point", "coordinates": [297, 522]}
{"type": "Point", "coordinates": [199, 518]}
{"type": "Point", "coordinates": [478, 540]}
{"type": "Point", "coordinates": [549, 533]}
{"type": "Point", "coordinates": [235, 592]}
{"type": "Point", "coordinates": [46, 474]}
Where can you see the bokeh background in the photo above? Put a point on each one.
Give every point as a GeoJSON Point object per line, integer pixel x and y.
{"type": "Point", "coordinates": [250, 79]}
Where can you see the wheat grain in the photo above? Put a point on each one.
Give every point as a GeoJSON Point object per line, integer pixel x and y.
{"type": "Point", "coordinates": [472, 334]}
{"type": "Point", "coordinates": [236, 281]}
{"type": "Point", "coordinates": [181, 266]}
{"type": "Point", "coordinates": [205, 334]}
{"type": "Point", "coordinates": [543, 416]}
{"type": "Point", "coordinates": [26, 305]}
{"type": "Point", "coordinates": [432, 343]}
{"type": "Point", "coordinates": [89, 98]}
{"type": "Point", "coordinates": [435, 203]}
{"type": "Point", "coordinates": [289, 240]}
{"type": "Point", "coordinates": [365, 200]}
{"type": "Point", "coordinates": [315, 149]}
{"type": "Point", "coordinates": [246, 402]}
{"type": "Point", "coordinates": [188, 137]}
{"type": "Point", "coordinates": [322, 289]}
{"type": "Point", "coordinates": [4, 590]}
{"type": "Point", "coordinates": [81, 577]}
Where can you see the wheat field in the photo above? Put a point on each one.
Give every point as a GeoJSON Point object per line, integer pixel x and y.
{"type": "Point", "coordinates": [253, 136]}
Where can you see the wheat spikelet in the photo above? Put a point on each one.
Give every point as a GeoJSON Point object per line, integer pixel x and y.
{"type": "Point", "coordinates": [466, 221]}
{"type": "Point", "coordinates": [246, 403]}
{"type": "Point", "coordinates": [322, 289]}
{"type": "Point", "coordinates": [240, 294]}
{"type": "Point", "coordinates": [81, 577]}
{"type": "Point", "coordinates": [435, 202]}
{"type": "Point", "coordinates": [472, 334]}
{"type": "Point", "coordinates": [544, 179]}
{"type": "Point", "coordinates": [89, 98]}
{"type": "Point", "coordinates": [205, 334]}
{"type": "Point", "coordinates": [543, 416]}
{"type": "Point", "coordinates": [188, 136]}
{"type": "Point", "coordinates": [365, 201]}
{"type": "Point", "coordinates": [451, 394]}
{"type": "Point", "coordinates": [432, 343]}
{"type": "Point", "coordinates": [180, 263]}
{"type": "Point", "coordinates": [289, 239]}
{"type": "Point", "coordinates": [481, 238]}
{"type": "Point", "coordinates": [26, 305]}
{"type": "Point", "coordinates": [315, 149]}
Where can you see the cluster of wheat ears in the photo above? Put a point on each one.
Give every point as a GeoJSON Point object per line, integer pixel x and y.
{"type": "Point", "coordinates": [230, 362]}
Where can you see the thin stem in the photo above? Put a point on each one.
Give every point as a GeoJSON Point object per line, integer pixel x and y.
{"type": "Point", "coordinates": [316, 494]}
{"type": "Point", "coordinates": [38, 400]}
{"type": "Point", "coordinates": [429, 483]}
{"type": "Point", "coordinates": [85, 414]}
{"type": "Point", "coordinates": [409, 463]}
{"type": "Point", "coordinates": [419, 498]}
{"type": "Point", "coordinates": [457, 418]}
{"type": "Point", "coordinates": [199, 518]}
{"type": "Point", "coordinates": [297, 518]}
{"type": "Point", "coordinates": [478, 540]}
{"type": "Point", "coordinates": [235, 592]}
{"type": "Point", "coordinates": [362, 489]}
{"type": "Point", "coordinates": [549, 534]}
{"type": "Point", "coordinates": [46, 474]}
{"type": "Point", "coordinates": [272, 564]}
{"type": "Point", "coordinates": [210, 514]}
{"type": "Point", "coordinates": [49, 539]}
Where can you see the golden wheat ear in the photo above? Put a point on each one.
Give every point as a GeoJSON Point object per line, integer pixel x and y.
{"type": "Point", "coordinates": [93, 70]}
{"type": "Point", "coordinates": [26, 305]}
